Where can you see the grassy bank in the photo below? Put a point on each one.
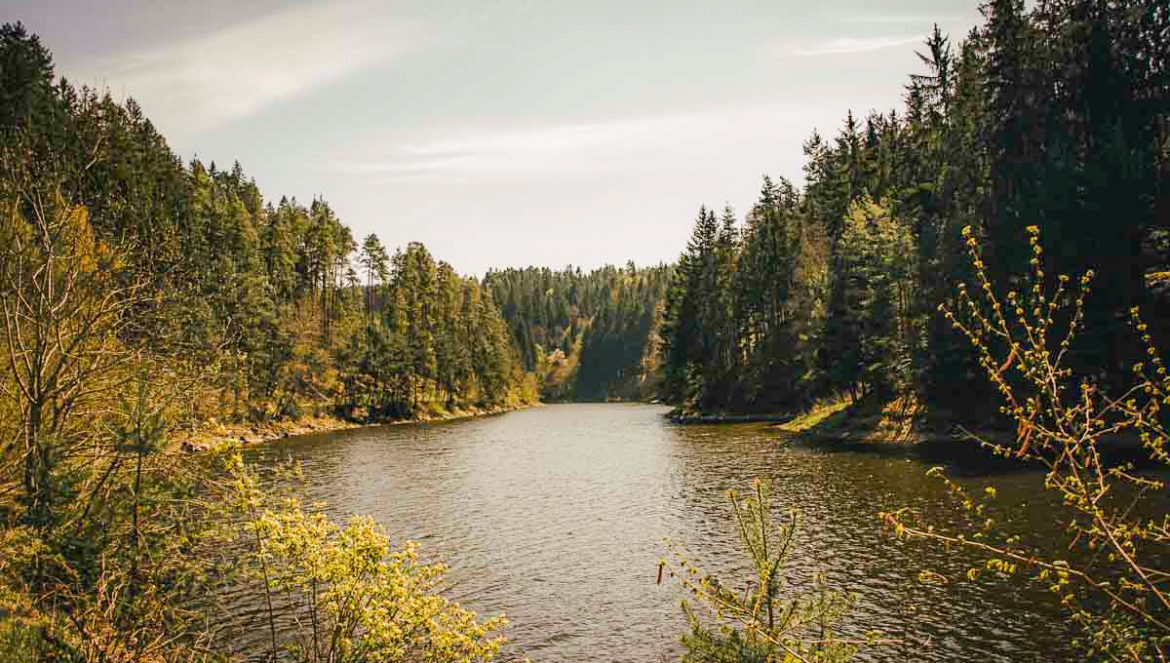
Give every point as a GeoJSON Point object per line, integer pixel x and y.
{"type": "Point", "coordinates": [901, 421]}
{"type": "Point", "coordinates": [214, 435]}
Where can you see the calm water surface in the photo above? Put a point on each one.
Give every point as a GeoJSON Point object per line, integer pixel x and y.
{"type": "Point", "coordinates": [557, 517]}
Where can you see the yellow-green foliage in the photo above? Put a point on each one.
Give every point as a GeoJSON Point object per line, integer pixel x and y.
{"type": "Point", "coordinates": [358, 599]}
{"type": "Point", "coordinates": [99, 536]}
{"type": "Point", "coordinates": [1115, 584]}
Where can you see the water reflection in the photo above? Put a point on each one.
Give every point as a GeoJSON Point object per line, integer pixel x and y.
{"type": "Point", "coordinates": [556, 516]}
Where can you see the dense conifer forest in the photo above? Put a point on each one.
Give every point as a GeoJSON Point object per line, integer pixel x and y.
{"type": "Point", "coordinates": [587, 336]}
{"type": "Point", "coordinates": [1056, 117]}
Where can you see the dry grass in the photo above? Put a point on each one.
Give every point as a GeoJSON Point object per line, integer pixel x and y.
{"type": "Point", "coordinates": [897, 421]}
{"type": "Point", "coordinates": [815, 416]}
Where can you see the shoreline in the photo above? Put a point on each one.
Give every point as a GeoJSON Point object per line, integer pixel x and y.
{"type": "Point", "coordinates": [895, 430]}
{"type": "Point", "coordinates": [701, 419]}
{"type": "Point", "coordinates": [841, 421]}
{"type": "Point", "coordinates": [215, 436]}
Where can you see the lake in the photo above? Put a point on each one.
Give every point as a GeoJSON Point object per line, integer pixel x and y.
{"type": "Point", "coordinates": [557, 516]}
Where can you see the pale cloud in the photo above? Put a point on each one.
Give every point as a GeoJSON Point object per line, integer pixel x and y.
{"type": "Point", "coordinates": [841, 45]}
{"type": "Point", "coordinates": [567, 150]}
{"type": "Point", "coordinates": [200, 83]}
{"type": "Point", "coordinates": [898, 19]}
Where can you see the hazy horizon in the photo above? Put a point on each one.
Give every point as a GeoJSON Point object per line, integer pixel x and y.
{"type": "Point", "coordinates": [505, 134]}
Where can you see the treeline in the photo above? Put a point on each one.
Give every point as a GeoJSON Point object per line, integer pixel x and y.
{"type": "Point", "coordinates": [588, 336]}
{"type": "Point", "coordinates": [429, 336]}
{"type": "Point", "coordinates": [265, 298]}
{"type": "Point", "coordinates": [1056, 117]}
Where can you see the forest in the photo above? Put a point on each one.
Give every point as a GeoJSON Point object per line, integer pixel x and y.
{"type": "Point", "coordinates": [1054, 118]}
{"type": "Point", "coordinates": [586, 336]}
{"type": "Point", "coordinates": [273, 301]}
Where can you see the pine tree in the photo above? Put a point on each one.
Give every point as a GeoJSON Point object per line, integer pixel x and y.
{"type": "Point", "coordinates": [376, 263]}
{"type": "Point", "coordinates": [687, 344]}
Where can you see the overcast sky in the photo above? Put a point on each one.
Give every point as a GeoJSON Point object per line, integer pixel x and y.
{"type": "Point", "coordinates": [500, 133]}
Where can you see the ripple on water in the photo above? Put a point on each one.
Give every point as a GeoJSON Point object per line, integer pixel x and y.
{"type": "Point", "coordinates": [557, 516]}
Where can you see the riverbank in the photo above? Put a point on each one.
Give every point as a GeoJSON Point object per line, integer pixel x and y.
{"type": "Point", "coordinates": [714, 419]}
{"type": "Point", "coordinates": [899, 422]}
{"type": "Point", "coordinates": [906, 429]}
{"type": "Point", "coordinates": [215, 435]}
{"type": "Point", "coordinates": [897, 429]}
